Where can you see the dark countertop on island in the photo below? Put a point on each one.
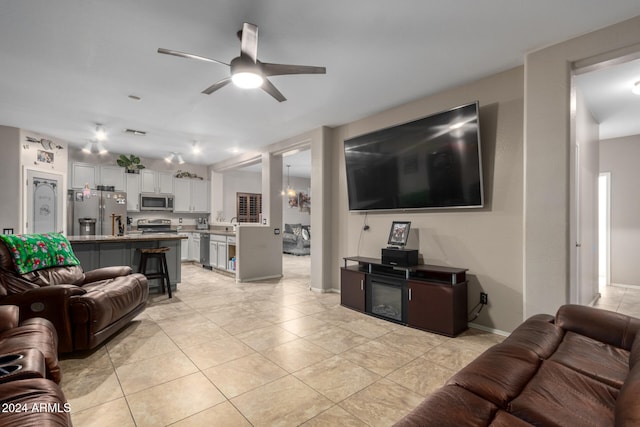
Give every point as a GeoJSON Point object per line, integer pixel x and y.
{"type": "Point", "coordinates": [132, 237]}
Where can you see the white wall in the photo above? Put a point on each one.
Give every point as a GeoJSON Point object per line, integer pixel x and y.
{"type": "Point", "coordinates": [237, 181]}
{"type": "Point", "coordinates": [10, 178]}
{"type": "Point", "coordinates": [487, 241]}
{"type": "Point", "coordinates": [547, 153]}
{"type": "Point", "coordinates": [619, 156]}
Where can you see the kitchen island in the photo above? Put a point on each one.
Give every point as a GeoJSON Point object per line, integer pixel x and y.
{"type": "Point", "coordinates": [105, 251]}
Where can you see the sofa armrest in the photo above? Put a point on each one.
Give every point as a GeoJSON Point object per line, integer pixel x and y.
{"type": "Point", "coordinates": [106, 273]}
{"type": "Point", "coordinates": [51, 303]}
{"type": "Point", "coordinates": [9, 317]}
{"type": "Point", "coordinates": [605, 326]}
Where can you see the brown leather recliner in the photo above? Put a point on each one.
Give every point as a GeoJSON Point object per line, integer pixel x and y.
{"type": "Point", "coordinates": [29, 373]}
{"type": "Point", "coordinates": [86, 308]}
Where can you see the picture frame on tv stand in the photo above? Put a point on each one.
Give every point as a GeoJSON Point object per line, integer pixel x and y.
{"type": "Point", "coordinates": [399, 234]}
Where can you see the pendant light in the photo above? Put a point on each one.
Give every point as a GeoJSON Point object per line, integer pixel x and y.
{"type": "Point", "coordinates": [290, 191]}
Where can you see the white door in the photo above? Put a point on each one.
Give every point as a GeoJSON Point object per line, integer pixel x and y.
{"type": "Point", "coordinates": [44, 202]}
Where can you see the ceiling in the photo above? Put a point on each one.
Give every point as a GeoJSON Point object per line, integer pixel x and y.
{"type": "Point", "coordinates": [607, 93]}
{"type": "Point", "coordinates": [70, 64]}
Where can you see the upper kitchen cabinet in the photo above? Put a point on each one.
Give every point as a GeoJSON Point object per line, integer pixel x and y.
{"type": "Point", "coordinates": [83, 174]}
{"type": "Point", "coordinates": [133, 192]}
{"type": "Point", "coordinates": [93, 175]}
{"type": "Point", "coordinates": [156, 181]}
{"type": "Point", "coordinates": [112, 176]}
{"type": "Point", "coordinates": [191, 195]}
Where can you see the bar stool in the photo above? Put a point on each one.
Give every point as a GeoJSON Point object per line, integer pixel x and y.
{"type": "Point", "coordinates": [163, 273]}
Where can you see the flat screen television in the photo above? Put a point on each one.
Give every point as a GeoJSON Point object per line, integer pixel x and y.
{"type": "Point", "coordinates": [429, 163]}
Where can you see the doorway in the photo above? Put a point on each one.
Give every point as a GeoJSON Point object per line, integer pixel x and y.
{"type": "Point", "coordinates": [604, 230]}
{"type": "Point", "coordinates": [296, 214]}
{"type": "Point", "coordinates": [44, 210]}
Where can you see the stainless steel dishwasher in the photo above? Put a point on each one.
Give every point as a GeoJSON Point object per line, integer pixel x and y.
{"type": "Point", "coordinates": [204, 250]}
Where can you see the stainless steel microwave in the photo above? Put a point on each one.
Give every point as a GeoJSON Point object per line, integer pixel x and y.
{"type": "Point", "coordinates": [156, 202]}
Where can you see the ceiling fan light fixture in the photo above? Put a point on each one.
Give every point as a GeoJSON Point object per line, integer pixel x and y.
{"type": "Point", "coordinates": [101, 135]}
{"type": "Point", "coordinates": [87, 148]}
{"type": "Point", "coordinates": [636, 88]}
{"type": "Point", "coordinates": [247, 80]}
{"type": "Point", "coordinates": [101, 148]}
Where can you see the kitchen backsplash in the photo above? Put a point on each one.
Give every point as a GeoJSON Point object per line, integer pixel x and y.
{"type": "Point", "coordinates": [187, 218]}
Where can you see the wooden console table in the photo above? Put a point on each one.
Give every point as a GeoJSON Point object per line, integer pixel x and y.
{"type": "Point", "coordinates": [435, 296]}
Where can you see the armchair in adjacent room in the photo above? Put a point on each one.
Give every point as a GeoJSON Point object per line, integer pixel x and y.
{"type": "Point", "coordinates": [296, 239]}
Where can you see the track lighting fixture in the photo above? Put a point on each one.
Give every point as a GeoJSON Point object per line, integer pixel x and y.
{"type": "Point", "coordinates": [174, 156]}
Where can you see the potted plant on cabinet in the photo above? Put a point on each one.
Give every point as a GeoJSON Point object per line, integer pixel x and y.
{"type": "Point", "coordinates": [131, 163]}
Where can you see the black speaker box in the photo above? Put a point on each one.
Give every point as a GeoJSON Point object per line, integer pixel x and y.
{"type": "Point", "coordinates": [400, 257]}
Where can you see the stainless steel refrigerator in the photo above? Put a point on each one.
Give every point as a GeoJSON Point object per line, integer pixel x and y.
{"type": "Point", "coordinates": [107, 208]}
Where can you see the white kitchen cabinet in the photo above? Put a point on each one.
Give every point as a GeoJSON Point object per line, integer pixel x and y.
{"type": "Point", "coordinates": [133, 192]}
{"type": "Point", "coordinates": [218, 251]}
{"type": "Point", "coordinates": [182, 199]}
{"type": "Point", "coordinates": [195, 255]}
{"type": "Point", "coordinates": [160, 182]}
{"type": "Point", "coordinates": [111, 175]}
{"type": "Point", "coordinates": [213, 254]}
{"type": "Point", "coordinates": [185, 255]}
{"type": "Point", "coordinates": [83, 173]}
{"type": "Point", "coordinates": [192, 251]}
{"type": "Point", "coordinates": [222, 256]}
{"type": "Point", "coordinates": [191, 195]}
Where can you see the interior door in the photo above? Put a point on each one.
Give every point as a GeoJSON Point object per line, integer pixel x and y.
{"type": "Point", "coordinates": [44, 203]}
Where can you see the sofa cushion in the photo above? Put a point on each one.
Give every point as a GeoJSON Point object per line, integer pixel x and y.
{"type": "Point", "coordinates": [560, 396]}
{"type": "Point", "coordinates": [596, 359]}
{"type": "Point", "coordinates": [538, 335]}
{"type": "Point", "coordinates": [499, 386]}
{"type": "Point", "coordinates": [31, 252]}
{"type": "Point", "coordinates": [109, 300]}
{"type": "Point", "coordinates": [451, 406]}
{"type": "Point", "coordinates": [72, 275]}
{"type": "Point", "coordinates": [627, 410]}
{"type": "Point", "coordinates": [34, 333]}
{"type": "Point", "coordinates": [609, 327]}
{"type": "Point", "coordinates": [43, 400]}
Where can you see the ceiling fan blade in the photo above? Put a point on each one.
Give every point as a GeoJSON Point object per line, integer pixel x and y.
{"type": "Point", "coordinates": [268, 87]}
{"type": "Point", "coordinates": [189, 55]}
{"type": "Point", "coordinates": [217, 85]}
{"type": "Point", "coordinates": [249, 41]}
{"type": "Point", "coordinates": [283, 69]}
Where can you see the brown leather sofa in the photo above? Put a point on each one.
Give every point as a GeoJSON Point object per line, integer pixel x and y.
{"type": "Point", "coordinates": [86, 308]}
{"type": "Point", "coordinates": [581, 368]}
{"type": "Point", "coordinates": [29, 373]}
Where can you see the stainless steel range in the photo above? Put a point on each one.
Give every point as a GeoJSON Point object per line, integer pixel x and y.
{"type": "Point", "coordinates": [155, 226]}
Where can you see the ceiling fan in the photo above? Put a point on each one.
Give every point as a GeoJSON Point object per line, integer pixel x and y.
{"type": "Point", "coordinates": [246, 70]}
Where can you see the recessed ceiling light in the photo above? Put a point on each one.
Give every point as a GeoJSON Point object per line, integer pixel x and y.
{"type": "Point", "coordinates": [636, 88]}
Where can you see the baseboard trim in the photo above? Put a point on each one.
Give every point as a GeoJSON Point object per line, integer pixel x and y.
{"type": "Point", "coordinates": [487, 329]}
{"type": "Point", "coordinates": [623, 285]}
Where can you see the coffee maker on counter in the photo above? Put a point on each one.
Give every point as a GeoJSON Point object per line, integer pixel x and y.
{"type": "Point", "coordinates": [202, 223]}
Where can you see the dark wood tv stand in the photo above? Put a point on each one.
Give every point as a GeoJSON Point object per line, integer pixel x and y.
{"type": "Point", "coordinates": [436, 296]}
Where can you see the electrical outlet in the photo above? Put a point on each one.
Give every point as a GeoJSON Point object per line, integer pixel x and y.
{"type": "Point", "coordinates": [484, 298]}
{"type": "Point", "coordinates": [180, 220]}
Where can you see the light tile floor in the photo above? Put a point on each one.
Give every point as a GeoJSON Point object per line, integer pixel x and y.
{"type": "Point", "coordinates": [622, 300]}
{"type": "Point", "coordinates": [270, 353]}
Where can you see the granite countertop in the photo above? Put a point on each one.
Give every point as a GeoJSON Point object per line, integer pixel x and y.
{"type": "Point", "coordinates": [191, 229]}
{"type": "Point", "coordinates": [131, 237]}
